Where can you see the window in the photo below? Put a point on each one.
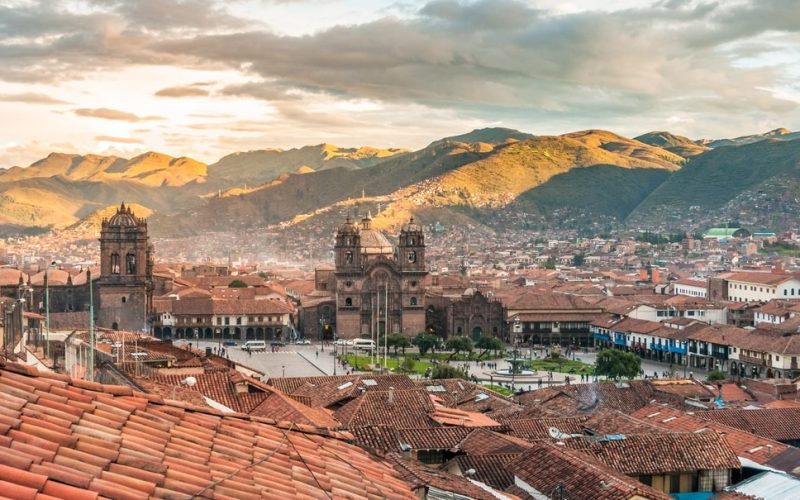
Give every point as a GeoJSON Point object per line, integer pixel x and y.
{"type": "Point", "coordinates": [413, 301]}
{"type": "Point", "coordinates": [238, 320]}
{"type": "Point", "coordinates": [348, 257]}
{"type": "Point", "coordinates": [124, 299]}
{"type": "Point", "coordinates": [227, 320]}
{"type": "Point", "coordinates": [114, 263]}
{"type": "Point", "coordinates": [413, 284]}
{"type": "Point", "coordinates": [130, 264]}
{"type": "Point", "coordinates": [348, 283]}
{"type": "Point", "coordinates": [412, 256]}
{"type": "Point", "coordinates": [348, 302]}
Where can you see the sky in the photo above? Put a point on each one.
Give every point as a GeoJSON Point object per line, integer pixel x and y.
{"type": "Point", "coordinates": [208, 78]}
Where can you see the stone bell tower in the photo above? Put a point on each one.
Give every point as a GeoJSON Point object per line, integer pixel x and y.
{"type": "Point", "coordinates": [126, 272]}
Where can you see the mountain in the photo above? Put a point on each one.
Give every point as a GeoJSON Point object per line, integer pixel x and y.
{"type": "Point", "coordinates": [713, 178]}
{"type": "Point", "coordinates": [150, 169]}
{"type": "Point", "coordinates": [89, 227]}
{"type": "Point", "coordinates": [257, 167]}
{"type": "Point", "coordinates": [447, 174]}
{"type": "Point", "coordinates": [681, 146]}
{"type": "Point", "coordinates": [59, 202]}
{"type": "Point", "coordinates": [494, 135]}
{"type": "Point", "coordinates": [780, 134]}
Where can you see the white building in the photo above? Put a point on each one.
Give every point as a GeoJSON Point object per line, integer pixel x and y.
{"type": "Point", "coordinates": [690, 287]}
{"type": "Point", "coordinates": [761, 287]}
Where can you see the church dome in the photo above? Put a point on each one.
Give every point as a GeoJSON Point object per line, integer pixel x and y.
{"type": "Point", "coordinates": [349, 227]}
{"type": "Point", "coordinates": [411, 227]}
{"type": "Point", "coordinates": [123, 218]}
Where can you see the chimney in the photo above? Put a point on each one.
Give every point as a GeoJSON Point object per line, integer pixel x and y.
{"type": "Point", "coordinates": [391, 395]}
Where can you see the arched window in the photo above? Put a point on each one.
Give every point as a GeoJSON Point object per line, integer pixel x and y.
{"type": "Point", "coordinates": [412, 256]}
{"type": "Point", "coordinates": [413, 301]}
{"type": "Point", "coordinates": [114, 263]}
{"type": "Point", "coordinates": [130, 264]}
{"type": "Point", "coordinates": [348, 257]}
{"type": "Point", "coordinates": [348, 302]}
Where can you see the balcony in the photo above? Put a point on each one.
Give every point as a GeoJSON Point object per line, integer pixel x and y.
{"type": "Point", "coordinates": [753, 360]}
{"type": "Point", "coordinates": [658, 347]}
{"type": "Point", "coordinates": [602, 336]}
{"type": "Point", "coordinates": [619, 341]}
{"type": "Point", "coordinates": [677, 349]}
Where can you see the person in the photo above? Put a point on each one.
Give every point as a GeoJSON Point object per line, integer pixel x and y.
{"type": "Point", "coordinates": [317, 353]}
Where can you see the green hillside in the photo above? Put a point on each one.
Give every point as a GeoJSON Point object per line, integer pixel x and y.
{"type": "Point", "coordinates": [601, 190]}
{"type": "Point", "coordinates": [712, 179]}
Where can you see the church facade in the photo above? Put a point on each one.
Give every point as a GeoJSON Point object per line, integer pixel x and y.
{"type": "Point", "coordinates": [378, 287]}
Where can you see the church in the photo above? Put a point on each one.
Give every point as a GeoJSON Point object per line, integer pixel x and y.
{"type": "Point", "coordinates": [377, 287]}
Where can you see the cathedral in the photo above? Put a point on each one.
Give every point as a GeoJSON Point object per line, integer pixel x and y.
{"type": "Point", "coordinates": [379, 288]}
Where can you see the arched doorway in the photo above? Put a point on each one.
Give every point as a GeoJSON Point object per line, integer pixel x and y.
{"type": "Point", "coordinates": [476, 333]}
{"type": "Point", "coordinates": [237, 333]}
{"type": "Point", "coordinates": [250, 333]}
{"type": "Point", "coordinates": [157, 332]}
{"type": "Point", "coordinates": [259, 333]}
{"type": "Point", "coordinates": [208, 333]}
{"type": "Point", "coordinates": [115, 326]}
{"type": "Point", "coordinates": [268, 335]}
{"type": "Point", "coordinates": [167, 332]}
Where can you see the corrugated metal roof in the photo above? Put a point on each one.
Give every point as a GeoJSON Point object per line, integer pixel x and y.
{"type": "Point", "coordinates": [770, 486]}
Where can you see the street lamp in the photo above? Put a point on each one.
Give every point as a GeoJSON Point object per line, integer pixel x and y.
{"type": "Point", "coordinates": [219, 336]}
{"type": "Point", "coordinates": [47, 309]}
{"type": "Point", "coordinates": [283, 371]}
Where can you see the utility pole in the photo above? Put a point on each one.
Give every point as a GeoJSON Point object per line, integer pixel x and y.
{"type": "Point", "coordinates": [91, 325]}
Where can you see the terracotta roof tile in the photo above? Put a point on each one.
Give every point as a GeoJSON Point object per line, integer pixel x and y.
{"type": "Point", "coordinates": [128, 445]}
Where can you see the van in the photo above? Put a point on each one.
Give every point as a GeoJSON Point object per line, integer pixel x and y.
{"type": "Point", "coordinates": [364, 344]}
{"type": "Point", "coordinates": [254, 345]}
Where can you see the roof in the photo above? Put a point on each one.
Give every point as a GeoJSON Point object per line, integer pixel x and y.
{"type": "Point", "coordinates": [422, 476]}
{"type": "Point", "coordinates": [770, 485]}
{"type": "Point", "coordinates": [489, 469]}
{"type": "Point", "coordinates": [745, 444]}
{"type": "Point", "coordinates": [666, 453]}
{"type": "Point", "coordinates": [408, 409]}
{"type": "Point", "coordinates": [780, 424]}
{"type": "Point", "coordinates": [546, 467]}
{"type": "Point", "coordinates": [71, 438]}
{"type": "Point", "coordinates": [771, 279]}
{"type": "Point", "coordinates": [486, 442]}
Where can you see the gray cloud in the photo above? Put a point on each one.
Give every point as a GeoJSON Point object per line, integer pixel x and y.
{"type": "Point", "coordinates": [184, 91]}
{"type": "Point", "coordinates": [112, 114]}
{"type": "Point", "coordinates": [31, 98]}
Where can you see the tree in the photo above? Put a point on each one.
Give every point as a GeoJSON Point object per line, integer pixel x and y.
{"type": "Point", "coordinates": [459, 344]}
{"type": "Point", "coordinates": [617, 364]}
{"type": "Point", "coordinates": [447, 371]}
{"type": "Point", "coordinates": [488, 344]}
{"type": "Point", "coordinates": [551, 263]}
{"type": "Point", "coordinates": [237, 284]}
{"type": "Point", "coordinates": [399, 341]}
{"type": "Point", "coordinates": [425, 342]}
{"type": "Point", "coordinates": [408, 365]}
{"type": "Point", "coordinates": [716, 376]}
{"type": "Point", "coordinates": [578, 260]}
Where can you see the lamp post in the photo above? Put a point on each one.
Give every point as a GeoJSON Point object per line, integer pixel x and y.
{"type": "Point", "coordinates": [219, 337]}
{"type": "Point", "coordinates": [283, 371]}
{"type": "Point", "coordinates": [47, 309]}
{"type": "Point", "coordinates": [91, 325]}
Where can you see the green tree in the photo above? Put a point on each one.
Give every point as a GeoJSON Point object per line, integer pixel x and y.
{"type": "Point", "coordinates": [579, 259]}
{"type": "Point", "coordinates": [715, 376]}
{"type": "Point", "coordinates": [425, 342]}
{"type": "Point", "coordinates": [237, 284]}
{"type": "Point", "coordinates": [447, 371]}
{"type": "Point", "coordinates": [551, 263]}
{"type": "Point", "coordinates": [408, 365]}
{"type": "Point", "coordinates": [400, 342]}
{"type": "Point", "coordinates": [488, 344]}
{"type": "Point", "coordinates": [616, 364]}
{"type": "Point", "coordinates": [459, 344]}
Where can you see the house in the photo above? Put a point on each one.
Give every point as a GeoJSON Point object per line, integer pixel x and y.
{"type": "Point", "coordinates": [690, 287]}
{"type": "Point", "coordinates": [761, 286]}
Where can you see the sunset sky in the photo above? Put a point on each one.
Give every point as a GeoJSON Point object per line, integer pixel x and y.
{"type": "Point", "coordinates": [203, 78]}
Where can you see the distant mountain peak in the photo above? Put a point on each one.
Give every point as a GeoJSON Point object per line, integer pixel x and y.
{"type": "Point", "coordinates": [489, 135]}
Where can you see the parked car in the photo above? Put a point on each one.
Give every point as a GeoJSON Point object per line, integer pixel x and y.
{"type": "Point", "coordinates": [304, 342]}
{"type": "Point", "coordinates": [228, 342]}
{"type": "Point", "coordinates": [277, 343]}
{"type": "Point", "coordinates": [343, 342]}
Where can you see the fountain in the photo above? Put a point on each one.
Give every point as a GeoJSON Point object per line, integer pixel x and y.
{"type": "Point", "coordinates": [517, 368]}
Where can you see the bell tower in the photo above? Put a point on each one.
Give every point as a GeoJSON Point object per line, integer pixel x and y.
{"type": "Point", "coordinates": [411, 248]}
{"type": "Point", "coordinates": [348, 242]}
{"type": "Point", "coordinates": [126, 272]}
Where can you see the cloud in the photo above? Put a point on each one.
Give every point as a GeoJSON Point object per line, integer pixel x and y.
{"type": "Point", "coordinates": [121, 140]}
{"type": "Point", "coordinates": [184, 91]}
{"type": "Point", "coordinates": [112, 114]}
{"type": "Point", "coordinates": [31, 98]}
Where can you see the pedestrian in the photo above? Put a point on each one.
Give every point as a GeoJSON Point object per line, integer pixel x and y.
{"type": "Point", "coordinates": [317, 353]}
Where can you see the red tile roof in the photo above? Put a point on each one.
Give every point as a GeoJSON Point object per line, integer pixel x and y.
{"type": "Point", "coordinates": [780, 424]}
{"type": "Point", "coordinates": [547, 467]}
{"type": "Point", "coordinates": [76, 439]}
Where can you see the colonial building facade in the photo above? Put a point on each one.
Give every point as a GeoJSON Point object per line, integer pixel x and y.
{"type": "Point", "coordinates": [377, 287]}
